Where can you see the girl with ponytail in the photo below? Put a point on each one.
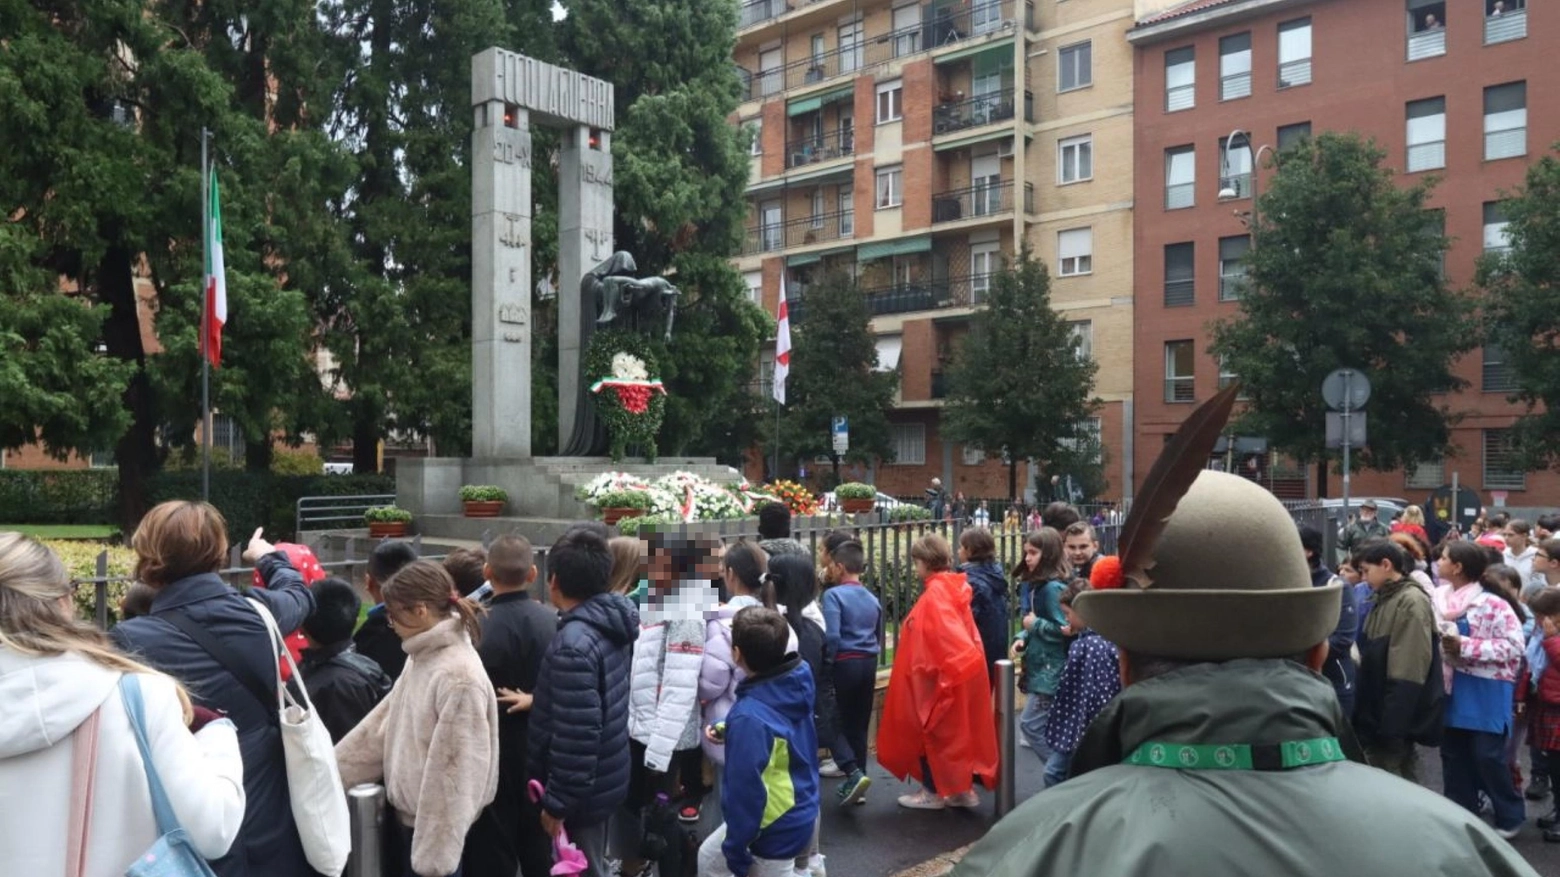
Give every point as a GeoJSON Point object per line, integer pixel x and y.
{"type": "Point", "coordinates": [433, 742]}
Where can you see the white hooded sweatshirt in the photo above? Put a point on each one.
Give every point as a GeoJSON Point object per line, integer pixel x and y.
{"type": "Point", "coordinates": [44, 701]}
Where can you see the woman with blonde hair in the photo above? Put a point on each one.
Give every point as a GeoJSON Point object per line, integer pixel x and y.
{"type": "Point", "coordinates": [1412, 522]}
{"type": "Point", "coordinates": [628, 567]}
{"type": "Point", "coordinates": [434, 741]}
{"type": "Point", "coordinates": [206, 634]}
{"type": "Point", "coordinates": [74, 788]}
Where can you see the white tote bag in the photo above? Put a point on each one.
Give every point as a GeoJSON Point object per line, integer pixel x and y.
{"type": "Point", "coordinates": [319, 804]}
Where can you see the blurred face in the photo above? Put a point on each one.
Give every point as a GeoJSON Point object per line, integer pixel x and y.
{"type": "Point", "coordinates": [1349, 573]}
{"type": "Point", "coordinates": [1367, 513]}
{"type": "Point", "coordinates": [920, 568]}
{"type": "Point", "coordinates": [1516, 541]}
{"type": "Point", "coordinates": [1544, 564]}
{"type": "Point", "coordinates": [1073, 621]}
{"type": "Point", "coordinates": [409, 621]}
{"type": "Point", "coordinates": [1080, 549]}
{"type": "Point", "coordinates": [1377, 574]}
{"type": "Point", "coordinates": [1447, 568]}
{"type": "Point", "coordinates": [1031, 556]}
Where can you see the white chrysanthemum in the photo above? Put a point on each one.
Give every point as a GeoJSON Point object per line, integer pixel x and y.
{"type": "Point", "coordinates": [628, 367]}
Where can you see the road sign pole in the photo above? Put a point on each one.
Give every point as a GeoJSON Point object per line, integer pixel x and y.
{"type": "Point", "coordinates": [1348, 411]}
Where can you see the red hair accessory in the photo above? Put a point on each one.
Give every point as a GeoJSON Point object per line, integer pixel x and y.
{"type": "Point", "coordinates": [454, 599]}
{"type": "Point", "coordinates": [1107, 574]}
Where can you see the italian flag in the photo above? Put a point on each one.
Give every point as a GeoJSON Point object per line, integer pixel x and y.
{"type": "Point", "coordinates": [215, 310]}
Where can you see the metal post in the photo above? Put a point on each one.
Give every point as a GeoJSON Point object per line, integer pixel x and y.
{"type": "Point", "coordinates": [367, 812]}
{"type": "Point", "coordinates": [100, 590]}
{"type": "Point", "coordinates": [1348, 410]}
{"type": "Point", "coordinates": [1006, 724]}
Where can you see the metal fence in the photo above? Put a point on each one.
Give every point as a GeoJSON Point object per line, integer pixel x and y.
{"type": "Point", "coordinates": [335, 512]}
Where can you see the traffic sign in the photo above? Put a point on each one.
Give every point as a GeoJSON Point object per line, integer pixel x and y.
{"type": "Point", "coordinates": [1335, 429]}
{"type": "Point", "coordinates": [1346, 389]}
{"type": "Point", "coordinates": [840, 429]}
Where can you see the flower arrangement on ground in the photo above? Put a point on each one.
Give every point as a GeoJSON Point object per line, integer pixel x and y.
{"type": "Point", "coordinates": [797, 497]}
{"type": "Point", "coordinates": [630, 401]}
{"type": "Point", "coordinates": [681, 496]}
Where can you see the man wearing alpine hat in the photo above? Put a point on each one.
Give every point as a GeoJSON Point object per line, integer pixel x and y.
{"type": "Point", "coordinates": [1226, 752]}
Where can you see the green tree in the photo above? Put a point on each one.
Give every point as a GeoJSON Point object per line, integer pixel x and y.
{"type": "Point", "coordinates": [1522, 287]}
{"type": "Point", "coordinates": [680, 169]}
{"type": "Point", "coordinates": [1016, 383]}
{"type": "Point", "coordinates": [834, 372]}
{"type": "Point", "coordinates": [1345, 271]}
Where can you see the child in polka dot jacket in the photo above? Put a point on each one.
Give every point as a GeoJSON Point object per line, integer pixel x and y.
{"type": "Point", "coordinates": [1090, 678]}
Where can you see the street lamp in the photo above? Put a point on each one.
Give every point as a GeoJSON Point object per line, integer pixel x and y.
{"type": "Point", "coordinates": [1227, 187]}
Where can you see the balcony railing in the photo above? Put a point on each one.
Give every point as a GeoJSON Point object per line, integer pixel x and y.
{"type": "Point", "coordinates": [811, 229]}
{"type": "Point", "coordinates": [925, 295]}
{"type": "Point", "coordinates": [985, 199]}
{"type": "Point", "coordinates": [986, 109]}
{"type": "Point", "coordinates": [871, 50]}
{"type": "Point", "coordinates": [1506, 26]}
{"type": "Point", "coordinates": [1426, 44]}
{"type": "Point", "coordinates": [820, 147]}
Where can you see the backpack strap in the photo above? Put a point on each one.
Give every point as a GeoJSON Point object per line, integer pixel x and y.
{"type": "Point", "coordinates": [225, 656]}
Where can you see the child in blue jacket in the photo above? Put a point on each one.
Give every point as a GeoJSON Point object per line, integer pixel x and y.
{"type": "Point", "coordinates": [769, 791]}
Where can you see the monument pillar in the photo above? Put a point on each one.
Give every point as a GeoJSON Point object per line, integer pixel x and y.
{"type": "Point", "coordinates": [501, 282]}
{"type": "Point", "coordinates": [584, 241]}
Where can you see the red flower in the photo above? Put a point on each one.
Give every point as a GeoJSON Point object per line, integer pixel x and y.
{"type": "Point", "coordinates": [1107, 574]}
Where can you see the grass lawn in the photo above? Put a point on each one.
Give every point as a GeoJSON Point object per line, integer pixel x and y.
{"type": "Point", "coordinates": [64, 531]}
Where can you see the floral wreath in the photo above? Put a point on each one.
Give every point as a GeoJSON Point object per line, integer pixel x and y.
{"type": "Point", "coordinates": [630, 402]}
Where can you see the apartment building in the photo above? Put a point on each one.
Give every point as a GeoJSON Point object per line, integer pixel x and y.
{"type": "Point", "coordinates": [1461, 90]}
{"type": "Point", "coordinates": [919, 146]}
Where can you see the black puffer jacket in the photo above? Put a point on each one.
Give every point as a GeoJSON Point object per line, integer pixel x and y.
{"type": "Point", "coordinates": [989, 605]}
{"type": "Point", "coordinates": [579, 719]}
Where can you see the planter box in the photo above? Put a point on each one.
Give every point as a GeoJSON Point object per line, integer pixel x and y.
{"type": "Point", "coordinates": [857, 506]}
{"type": "Point", "coordinates": [387, 529]}
{"type": "Point", "coordinates": [482, 508]}
{"type": "Point", "coordinates": [610, 516]}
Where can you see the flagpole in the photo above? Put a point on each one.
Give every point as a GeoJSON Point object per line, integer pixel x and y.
{"type": "Point", "coordinates": [205, 316]}
{"type": "Point", "coordinates": [776, 474]}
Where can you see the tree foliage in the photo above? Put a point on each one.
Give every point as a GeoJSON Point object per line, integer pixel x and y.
{"type": "Point", "coordinates": [1016, 383]}
{"type": "Point", "coordinates": [1521, 316]}
{"type": "Point", "coordinates": [1345, 270]}
{"type": "Point", "coordinates": [833, 373]}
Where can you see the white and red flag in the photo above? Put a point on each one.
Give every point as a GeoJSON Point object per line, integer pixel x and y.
{"type": "Point", "coordinates": [782, 346]}
{"type": "Point", "coordinates": [215, 310]}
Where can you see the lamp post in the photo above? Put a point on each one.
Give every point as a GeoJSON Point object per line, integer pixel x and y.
{"type": "Point", "coordinates": [1227, 188]}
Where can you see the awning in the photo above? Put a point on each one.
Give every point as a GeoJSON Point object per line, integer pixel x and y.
{"type": "Point", "coordinates": [805, 105]}
{"type": "Point", "coordinates": [802, 259]}
{"type": "Point", "coordinates": [1003, 133]}
{"type": "Point", "coordinates": [1003, 45]}
{"type": "Point", "coordinates": [888, 349]}
{"type": "Point", "coordinates": [899, 247]}
{"type": "Point", "coordinates": [1244, 445]}
{"type": "Point", "coordinates": [844, 169]}
{"type": "Point", "coordinates": [838, 94]}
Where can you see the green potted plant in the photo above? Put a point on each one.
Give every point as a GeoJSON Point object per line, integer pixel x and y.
{"type": "Point", "coordinates": [483, 500]}
{"type": "Point", "coordinates": [615, 505]}
{"type": "Point", "coordinates": [856, 498]}
{"type": "Point", "coordinates": [387, 521]}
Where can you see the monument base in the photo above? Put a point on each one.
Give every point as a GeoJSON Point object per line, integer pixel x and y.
{"type": "Point", "coordinates": [541, 489]}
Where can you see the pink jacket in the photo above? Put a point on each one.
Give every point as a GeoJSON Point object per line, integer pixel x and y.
{"type": "Point", "coordinates": [719, 675]}
{"type": "Point", "coordinates": [1494, 646]}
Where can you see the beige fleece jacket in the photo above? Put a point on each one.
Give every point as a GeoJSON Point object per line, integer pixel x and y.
{"type": "Point", "coordinates": [434, 743]}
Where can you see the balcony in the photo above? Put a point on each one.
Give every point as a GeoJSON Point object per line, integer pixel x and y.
{"type": "Point", "coordinates": [987, 109]}
{"type": "Point", "coordinates": [1427, 44]}
{"type": "Point", "coordinates": [821, 146]}
{"type": "Point", "coordinates": [814, 229]}
{"type": "Point", "coordinates": [926, 295]}
{"type": "Point", "coordinates": [1505, 27]}
{"type": "Point", "coordinates": [985, 199]}
{"type": "Point", "coordinates": [939, 28]}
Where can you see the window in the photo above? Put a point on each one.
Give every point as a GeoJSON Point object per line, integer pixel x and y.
{"type": "Point", "coordinates": [1083, 338]}
{"type": "Point", "coordinates": [909, 441]}
{"type": "Point", "coordinates": [890, 99]}
{"type": "Point", "coordinates": [1179, 386]}
{"type": "Point", "coordinates": [771, 78]}
{"type": "Point", "coordinates": [1075, 251]}
{"type": "Point", "coordinates": [889, 192]}
{"type": "Point", "coordinates": [1227, 375]}
{"type": "Point", "coordinates": [907, 30]}
{"type": "Point", "coordinates": [1289, 135]}
{"type": "Point", "coordinates": [1505, 121]}
{"type": "Point", "coordinates": [1075, 65]}
{"type": "Point", "coordinates": [1180, 79]}
{"type": "Point", "coordinates": [1497, 376]}
{"type": "Point", "coordinates": [1232, 268]}
{"type": "Point", "coordinates": [850, 46]}
{"type": "Point", "coordinates": [756, 129]}
{"type": "Point", "coordinates": [1294, 53]}
{"type": "Point", "coordinates": [1504, 20]}
{"type": "Point", "coordinates": [974, 455]}
{"type": "Point", "coordinates": [1180, 281]}
{"type": "Point", "coordinates": [818, 53]}
{"type": "Point", "coordinates": [985, 261]}
{"type": "Point", "coordinates": [1435, 228]}
{"type": "Point", "coordinates": [766, 375]}
{"type": "Point", "coordinates": [1426, 134]}
{"type": "Point", "coordinates": [986, 16]}
{"type": "Point", "coordinates": [819, 207]}
{"type": "Point", "coordinates": [771, 225]}
{"type": "Point", "coordinates": [1426, 29]}
{"type": "Point", "coordinates": [847, 198]}
{"type": "Point", "coordinates": [1235, 66]}
{"type": "Point", "coordinates": [1501, 470]}
{"type": "Point", "coordinates": [1236, 163]}
{"type": "Point", "coordinates": [1075, 159]}
{"type": "Point", "coordinates": [754, 280]}
{"type": "Point", "coordinates": [1427, 475]}
{"type": "Point", "coordinates": [1496, 239]}
{"type": "Point", "coordinates": [1180, 177]}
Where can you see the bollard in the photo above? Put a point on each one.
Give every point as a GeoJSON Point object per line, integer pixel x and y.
{"type": "Point", "coordinates": [1006, 723]}
{"type": "Point", "coordinates": [367, 810]}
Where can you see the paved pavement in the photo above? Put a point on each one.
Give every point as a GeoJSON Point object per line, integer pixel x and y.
{"type": "Point", "coordinates": [881, 839]}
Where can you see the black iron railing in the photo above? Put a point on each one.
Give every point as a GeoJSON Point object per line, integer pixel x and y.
{"type": "Point", "coordinates": [986, 109]}
{"type": "Point", "coordinates": [823, 146]}
{"type": "Point", "coordinates": [984, 199]}
{"type": "Point", "coordinates": [810, 229]}
{"type": "Point", "coordinates": [925, 295]}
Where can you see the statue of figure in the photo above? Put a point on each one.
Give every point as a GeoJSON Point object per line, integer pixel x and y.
{"type": "Point", "coordinates": [612, 298]}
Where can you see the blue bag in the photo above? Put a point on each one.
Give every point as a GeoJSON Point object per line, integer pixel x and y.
{"type": "Point", "coordinates": [173, 855]}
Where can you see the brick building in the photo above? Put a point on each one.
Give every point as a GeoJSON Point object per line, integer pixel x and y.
{"type": "Point", "coordinates": [1460, 90]}
{"type": "Point", "coordinates": [917, 146]}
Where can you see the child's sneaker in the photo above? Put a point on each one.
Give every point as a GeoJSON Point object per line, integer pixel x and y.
{"type": "Point", "coordinates": [854, 789]}
{"type": "Point", "coordinates": [922, 800]}
{"type": "Point", "coordinates": [815, 866]}
{"type": "Point", "coordinates": [963, 799]}
{"type": "Point", "coordinates": [827, 768]}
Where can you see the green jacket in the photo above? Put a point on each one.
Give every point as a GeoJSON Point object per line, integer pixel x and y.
{"type": "Point", "coordinates": [1044, 647]}
{"type": "Point", "coordinates": [1360, 532]}
{"type": "Point", "coordinates": [1336, 818]}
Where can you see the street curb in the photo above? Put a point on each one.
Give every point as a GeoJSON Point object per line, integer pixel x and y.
{"type": "Point", "coordinates": [935, 867]}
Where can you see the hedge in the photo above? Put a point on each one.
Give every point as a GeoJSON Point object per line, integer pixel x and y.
{"type": "Point", "coordinates": [63, 496]}
{"type": "Point", "coordinates": [260, 499]}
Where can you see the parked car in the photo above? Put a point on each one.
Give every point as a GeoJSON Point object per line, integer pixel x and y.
{"type": "Point", "coordinates": [827, 502]}
{"type": "Point", "coordinates": [1387, 508]}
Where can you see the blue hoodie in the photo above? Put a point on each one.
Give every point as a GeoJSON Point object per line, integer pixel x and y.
{"type": "Point", "coordinates": [852, 618]}
{"type": "Point", "coordinates": [989, 605]}
{"type": "Point", "coordinates": [770, 788]}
